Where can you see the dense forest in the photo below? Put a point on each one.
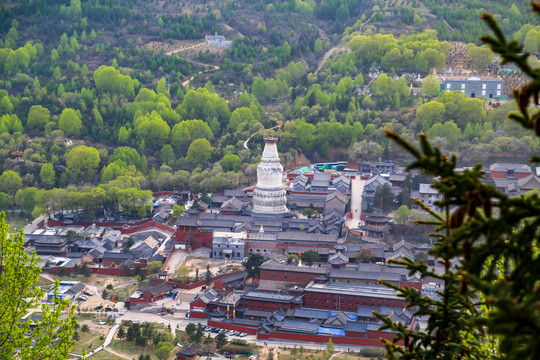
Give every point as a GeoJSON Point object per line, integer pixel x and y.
{"type": "Point", "coordinates": [94, 114]}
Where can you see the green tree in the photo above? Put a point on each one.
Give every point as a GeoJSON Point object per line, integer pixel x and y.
{"type": "Point", "coordinates": [366, 150]}
{"type": "Point", "coordinates": [231, 162]}
{"type": "Point", "coordinates": [253, 263]}
{"type": "Point", "coordinates": [6, 107]}
{"type": "Point", "coordinates": [190, 329]}
{"type": "Point", "coordinates": [153, 267]}
{"type": "Point", "coordinates": [430, 87]}
{"type": "Point", "coordinates": [163, 350]}
{"type": "Point", "coordinates": [69, 122]}
{"type": "Point", "coordinates": [82, 163]}
{"type": "Point", "coordinates": [26, 198]}
{"type": "Point", "coordinates": [38, 117]}
{"type": "Point", "coordinates": [182, 274]}
{"type": "Point", "coordinates": [177, 211]}
{"type": "Point", "coordinates": [199, 151]}
{"type": "Point", "coordinates": [208, 276]}
{"type": "Point", "coordinates": [309, 257]}
{"type": "Point", "coordinates": [47, 176]}
{"type": "Point", "coordinates": [383, 198]}
{"type": "Point", "coordinates": [153, 130]}
{"type": "Point", "coordinates": [402, 215]}
{"type": "Point", "coordinates": [51, 337]}
{"type": "Point", "coordinates": [121, 333]}
{"type": "Point", "coordinates": [221, 339]}
{"type": "Point", "coordinates": [10, 182]}
{"type": "Point", "coordinates": [167, 154]}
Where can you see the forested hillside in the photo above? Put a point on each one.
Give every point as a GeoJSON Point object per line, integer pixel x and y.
{"type": "Point", "coordinates": [103, 102]}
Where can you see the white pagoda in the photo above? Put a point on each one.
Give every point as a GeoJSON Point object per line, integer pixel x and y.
{"type": "Point", "coordinates": [269, 194]}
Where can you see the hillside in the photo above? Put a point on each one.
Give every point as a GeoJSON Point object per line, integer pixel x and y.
{"type": "Point", "coordinates": [107, 101]}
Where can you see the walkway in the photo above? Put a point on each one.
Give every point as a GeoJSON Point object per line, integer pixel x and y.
{"type": "Point", "coordinates": [106, 343]}
{"type": "Point", "coordinates": [357, 188]}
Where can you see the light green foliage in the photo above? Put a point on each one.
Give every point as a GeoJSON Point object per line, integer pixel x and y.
{"type": "Point", "coordinates": [123, 135]}
{"type": "Point", "coordinates": [177, 211]}
{"type": "Point", "coordinates": [240, 118]}
{"type": "Point", "coordinates": [129, 156]}
{"type": "Point", "coordinates": [154, 267]}
{"type": "Point", "coordinates": [479, 56]}
{"type": "Point", "coordinates": [205, 105]}
{"type": "Point", "coordinates": [10, 124]}
{"type": "Point", "coordinates": [118, 169]}
{"type": "Point", "coordinates": [73, 11]}
{"type": "Point", "coordinates": [82, 163]}
{"type": "Point", "coordinates": [417, 52]}
{"type": "Point", "coordinates": [448, 131]}
{"type": "Point", "coordinates": [134, 201]}
{"type": "Point", "coordinates": [17, 60]}
{"type": "Point", "coordinates": [109, 79]}
{"type": "Point", "coordinates": [430, 87]}
{"type": "Point", "coordinates": [199, 151]}
{"type": "Point", "coordinates": [428, 114]}
{"type": "Point", "coordinates": [69, 122]}
{"type": "Point", "coordinates": [52, 336]}
{"type": "Point", "coordinates": [10, 182]}
{"type": "Point", "coordinates": [365, 150]}
{"type": "Point", "coordinates": [182, 274]}
{"type": "Point", "coordinates": [318, 46]}
{"type": "Point", "coordinates": [304, 136]}
{"type": "Point", "coordinates": [531, 42]}
{"type": "Point", "coordinates": [402, 215]}
{"type": "Point", "coordinates": [231, 162]}
{"type": "Point", "coordinates": [152, 129]}
{"type": "Point", "coordinates": [185, 132]}
{"type": "Point", "coordinates": [161, 88]}
{"type": "Point", "coordinates": [26, 198]}
{"type": "Point", "coordinates": [12, 38]}
{"type": "Point", "coordinates": [47, 176]}
{"type": "Point", "coordinates": [6, 107]}
{"type": "Point", "coordinates": [38, 117]}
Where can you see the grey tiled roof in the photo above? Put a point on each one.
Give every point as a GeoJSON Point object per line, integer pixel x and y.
{"type": "Point", "coordinates": [299, 326]}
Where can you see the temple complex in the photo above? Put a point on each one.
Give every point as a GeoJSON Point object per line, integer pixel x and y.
{"type": "Point", "coordinates": [269, 194]}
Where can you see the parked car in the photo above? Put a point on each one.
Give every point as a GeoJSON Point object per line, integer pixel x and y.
{"type": "Point", "coordinates": [99, 307]}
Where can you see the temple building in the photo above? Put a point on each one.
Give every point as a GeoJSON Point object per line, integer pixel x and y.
{"type": "Point", "coordinates": [269, 194]}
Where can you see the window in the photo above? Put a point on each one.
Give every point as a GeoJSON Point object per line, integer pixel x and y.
{"type": "Point", "coordinates": [499, 86]}
{"type": "Point", "coordinates": [462, 91]}
{"type": "Point", "coordinates": [484, 86]}
{"type": "Point", "coordinates": [463, 86]}
{"type": "Point", "coordinates": [483, 92]}
{"type": "Point", "coordinates": [448, 86]}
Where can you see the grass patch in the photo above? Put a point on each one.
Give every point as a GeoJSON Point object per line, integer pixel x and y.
{"type": "Point", "coordinates": [87, 341]}
{"type": "Point", "coordinates": [16, 222]}
{"type": "Point", "coordinates": [121, 294]}
{"type": "Point", "coordinates": [130, 349]}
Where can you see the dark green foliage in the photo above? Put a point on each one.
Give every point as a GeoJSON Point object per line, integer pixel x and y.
{"type": "Point", "coordinates": [309, 257]}
{"type": "Point", "coordinates": [221, 339]}
{"type": "Point", "coordinates": [252, 264]}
